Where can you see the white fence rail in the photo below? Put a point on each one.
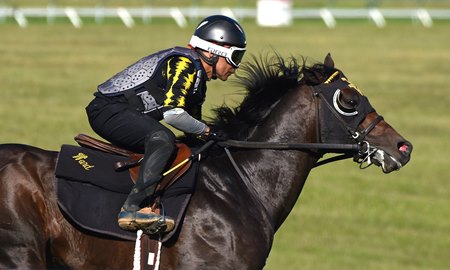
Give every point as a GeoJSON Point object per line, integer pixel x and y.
{"type": "Point", "coordinates": [181, 15]}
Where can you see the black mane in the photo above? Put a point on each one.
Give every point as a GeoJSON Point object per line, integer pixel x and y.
{"type": "Point", "coordinates": [265, 80]}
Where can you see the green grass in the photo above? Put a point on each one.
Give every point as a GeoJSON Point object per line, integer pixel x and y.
{"type": "Point", "coordinates": [346, 218]}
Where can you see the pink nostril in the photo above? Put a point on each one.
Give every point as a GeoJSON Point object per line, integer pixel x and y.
{"type": "Point", "coordinates": [403, 148]}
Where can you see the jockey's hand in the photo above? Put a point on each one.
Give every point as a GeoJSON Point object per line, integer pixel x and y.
{"type": "Point", "coordinates": [211, 133]}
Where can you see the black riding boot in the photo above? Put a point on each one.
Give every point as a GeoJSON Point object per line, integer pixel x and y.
{"type": "Point", "coordinates": [134, 215]}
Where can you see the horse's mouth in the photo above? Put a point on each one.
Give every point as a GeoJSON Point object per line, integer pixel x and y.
{"type": "Point", "coordinates": [387, 162]}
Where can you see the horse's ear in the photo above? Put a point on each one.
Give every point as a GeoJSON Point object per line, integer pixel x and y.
{"type": "Point", "coordinates": [328, 63]}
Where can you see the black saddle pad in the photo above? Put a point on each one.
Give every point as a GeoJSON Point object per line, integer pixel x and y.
{"type": "Point", "coordinates": [90, 192]}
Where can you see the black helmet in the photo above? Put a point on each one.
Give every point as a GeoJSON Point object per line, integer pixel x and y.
{"type": "Point", "coordinates": [221, 36]}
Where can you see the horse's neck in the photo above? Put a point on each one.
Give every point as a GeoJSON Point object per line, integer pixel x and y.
{"type": "Point", "coordinates": [278, 176]}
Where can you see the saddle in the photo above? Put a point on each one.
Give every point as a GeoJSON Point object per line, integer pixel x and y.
{"type": "Point", "coordinates": [134, 159]}
{"type": "Point", "coordinates": [100, 181]}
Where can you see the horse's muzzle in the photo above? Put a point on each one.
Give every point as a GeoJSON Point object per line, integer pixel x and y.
{"type": "Point", "coordinates": [395, 161]}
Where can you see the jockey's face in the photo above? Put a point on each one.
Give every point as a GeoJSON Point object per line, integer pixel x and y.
{"type": "Point", "coordinates": [224, 69]}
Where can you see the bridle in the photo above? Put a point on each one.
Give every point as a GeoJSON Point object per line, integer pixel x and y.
{"type": "Point", "coordinates": [361, 150]}
{"type": "Point", "coordinates": [365, 150]}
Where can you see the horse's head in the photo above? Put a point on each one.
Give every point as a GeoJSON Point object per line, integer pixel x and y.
{"type": "Point", "coordinates": [346, 116]}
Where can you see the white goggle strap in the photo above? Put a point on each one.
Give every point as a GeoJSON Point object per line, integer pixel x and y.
{"type": "Point", "coordinates": [214, 48]}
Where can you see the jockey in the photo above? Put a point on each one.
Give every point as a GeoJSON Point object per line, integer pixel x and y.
{"type": "Point", "coordinates": [168, 85]}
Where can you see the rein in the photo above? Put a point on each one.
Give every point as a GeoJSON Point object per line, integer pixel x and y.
{"type": "Point", "coordinates": [330, 148]}
{"type": "Point", "coordinates": [348, 150]}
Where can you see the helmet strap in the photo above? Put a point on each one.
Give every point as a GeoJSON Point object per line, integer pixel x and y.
{"type": "Point", "coordinates": [215, 59]}
{"type": "Point", "coordinates": [212, 61]}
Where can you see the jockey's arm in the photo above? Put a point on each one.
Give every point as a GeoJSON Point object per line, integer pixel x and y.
{"type": "Point", "coordinates": [181, 120]}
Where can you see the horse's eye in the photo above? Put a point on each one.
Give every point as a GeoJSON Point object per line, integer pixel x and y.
{"type": "Point", "coordinates": [346, 101]}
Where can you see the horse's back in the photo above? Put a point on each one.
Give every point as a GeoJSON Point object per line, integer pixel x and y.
{"type": "Point", "coordinates": [13, 153]}
{"type": "Point", "coordinates": [33, 232]}
{"type": "Point", "coordinates": [24, 166]}
{"type": "Point", "coordinates": [25, 179]}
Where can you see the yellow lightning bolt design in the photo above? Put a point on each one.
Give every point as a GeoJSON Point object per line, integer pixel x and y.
{"type": "Point", "coordinates": [169, 93]}
{"type": "Point", "coordinates": [186, 85]}
{"type": "Point", "coordinates": [352, 85]}
{"type": "Point", "coordinates": [343, 79]}
{"type": "Point", "coordinates": [180, 66]}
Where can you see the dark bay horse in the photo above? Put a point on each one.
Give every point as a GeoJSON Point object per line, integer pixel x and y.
{"type": "Point", "coordinates": [236, 209]}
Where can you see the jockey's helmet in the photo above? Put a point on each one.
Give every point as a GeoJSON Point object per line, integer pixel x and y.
{"type": "Point", "coordinates": [222, 36]}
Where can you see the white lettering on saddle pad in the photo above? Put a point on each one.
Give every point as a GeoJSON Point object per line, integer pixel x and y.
{"type": "Point", "coordinates": [81, 158]}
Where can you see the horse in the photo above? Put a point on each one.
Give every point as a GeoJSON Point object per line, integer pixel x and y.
{"type": "Point", "coordinates": [242, 195]}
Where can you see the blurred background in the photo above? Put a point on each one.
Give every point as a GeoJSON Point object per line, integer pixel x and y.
{"type": "Point", "coordinates": [53, 54]}
{"type": "Point", "coordinates": [266, 12]}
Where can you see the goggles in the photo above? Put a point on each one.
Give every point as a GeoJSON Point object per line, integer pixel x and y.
{"type": "Point", "coordinates": [233, 55]}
